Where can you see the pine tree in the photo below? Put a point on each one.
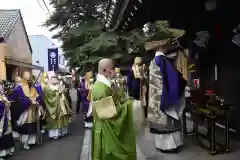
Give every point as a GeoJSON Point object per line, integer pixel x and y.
{"type": "Point", "coordinates": [85, 41]}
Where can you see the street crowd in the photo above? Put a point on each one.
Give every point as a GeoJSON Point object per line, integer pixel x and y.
{"type": "Point", "coordinates": [115, 107]}
{"type": "Point", "coordinates": [30, 108]}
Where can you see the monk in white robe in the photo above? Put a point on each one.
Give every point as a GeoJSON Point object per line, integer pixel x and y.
{"type": "Point", "coordinates": [58, 112]}
{"type": "Point", "coordinates": [166, 101]}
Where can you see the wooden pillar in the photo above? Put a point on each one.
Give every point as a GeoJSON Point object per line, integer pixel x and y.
{"type": "Point", "coordinates": [3, 74]}
{"type": "Point", "coordinates": [15, 73]}
{"type": "Point", "coordinates": [3, 49]}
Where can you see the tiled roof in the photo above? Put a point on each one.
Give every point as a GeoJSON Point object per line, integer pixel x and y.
{"type": "Point", "coordinates": [8, 19]}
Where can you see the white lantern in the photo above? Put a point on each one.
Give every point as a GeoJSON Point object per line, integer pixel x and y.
{"type": "Point", "coordinates": [210, 5]}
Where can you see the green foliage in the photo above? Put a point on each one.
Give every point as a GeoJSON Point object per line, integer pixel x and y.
{"type": "Point", "coordinates": [84, 39]}
{"type": "Point", "coordinates": [161, 30]}
{"type": "Point", "coordinates": [88, 43]}
{"type": "Point", "coordinates": [70, 13]}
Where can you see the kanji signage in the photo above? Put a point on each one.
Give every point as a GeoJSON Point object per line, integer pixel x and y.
{"type": "Point", "coordinates": [52, 59]}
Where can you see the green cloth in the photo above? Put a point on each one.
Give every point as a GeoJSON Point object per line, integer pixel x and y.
{"type": "Point", "coordinates": [55, 119]}
{"type": "Point", "coordinates": [120, 91]}
{"type": "Point", "coordinates": [113, 139]}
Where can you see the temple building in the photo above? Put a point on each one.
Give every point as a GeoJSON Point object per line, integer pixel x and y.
{"type": "Point", "coordinates": [15, 49]}
{"type": "Point", "coordinates": [212, 38]}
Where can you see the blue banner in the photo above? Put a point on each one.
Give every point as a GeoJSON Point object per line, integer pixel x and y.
{"type": "Point", "coordinates": [53, 59]}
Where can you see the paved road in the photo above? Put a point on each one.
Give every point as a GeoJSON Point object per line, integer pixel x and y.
{"type": "Point", "coordinates": [146, 150]}
{"type": "Point", "coordinates": [72, 148]}
{"type": "Point", "coordinates": [67, 148]}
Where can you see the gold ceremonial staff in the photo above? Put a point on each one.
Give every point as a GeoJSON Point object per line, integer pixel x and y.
{"type": "Point", "coordinates": [39, 134]}
{"type": "Point", "coordinates": [139, 70]}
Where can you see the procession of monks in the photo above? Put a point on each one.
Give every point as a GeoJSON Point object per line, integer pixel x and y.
{"type": "Point", "coordinates": [113, 107]}
{"type": "Point", "coordinates": [30, 107]}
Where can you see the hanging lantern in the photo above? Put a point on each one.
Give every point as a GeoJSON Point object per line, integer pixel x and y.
{"type": "Point", "coordinates": [210, 5]}
{"type": "Point", "coordinates": [236, 36]}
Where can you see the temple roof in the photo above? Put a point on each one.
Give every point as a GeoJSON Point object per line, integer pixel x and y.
{"type": "Point", "coordinates": [125, 15]}
{"type": "Point", "coordinates": [8, 19]}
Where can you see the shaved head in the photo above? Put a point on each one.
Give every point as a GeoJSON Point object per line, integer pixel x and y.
{"type": "Point", "coordinates": [104, 64]}
{"type": "Point", "coordinates": [18, 79]}
{"type": "Point", "coordinates": [26, 75]}
{"type": "Point", "coordinates": [106, 67]}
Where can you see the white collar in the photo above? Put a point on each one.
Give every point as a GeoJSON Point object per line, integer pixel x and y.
{"type": "Point", "coordinates": [159, 53]}
{"type": "Point", "coordinates": [103, 79]}
{"type": "Point", "coordinates": [53, 87]}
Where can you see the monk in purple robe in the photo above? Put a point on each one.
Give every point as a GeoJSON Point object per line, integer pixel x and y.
{"type": "Point", "coordinates": [27, 98]}
{"type": "Point", "coordinates": [39, 88]}
{"type": "Point", "coordinates": [6, 138]}
{"type": "Point", "coordinates": [84, 96]}
{"type": "Point", "coordinates": [18, 81]}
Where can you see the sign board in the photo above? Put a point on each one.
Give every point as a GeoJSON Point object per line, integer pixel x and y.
{"type": "Point", "coordinates": [52, 59]}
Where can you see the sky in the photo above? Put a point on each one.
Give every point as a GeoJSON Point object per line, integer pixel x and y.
{"type": "Point", "coordinates": [33, 15]}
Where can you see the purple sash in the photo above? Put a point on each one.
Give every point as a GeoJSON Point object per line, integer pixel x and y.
{"type": "Point", "coordinates": [83, 96]}
{"type": "Point", "coordinates": [5, 122]}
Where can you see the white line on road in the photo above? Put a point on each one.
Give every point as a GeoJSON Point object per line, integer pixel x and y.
{"type": "Point", "coordinates": [86, 148]}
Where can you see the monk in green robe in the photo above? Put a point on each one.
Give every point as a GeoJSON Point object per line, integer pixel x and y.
{"type": "Point", "coordinates": [113, 134]}
{"type": "Point", "coordinates": [58, 112]}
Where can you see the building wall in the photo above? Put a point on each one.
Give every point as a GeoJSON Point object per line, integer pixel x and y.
{"type": "Point", "coordinates": [4, 49]}
{"type": "Point", "coordinates": [18, 42]}
{"type": "Point", "coordinates": [221, 51]}
{"type": "Point", "coordinates": [227, 84]}
{"type": "Point", "coordinates": [16, 48]}
{"type": "Point", "coordinates": [40, 45]}
{"type": "Point", "coordinates": [9, 72]}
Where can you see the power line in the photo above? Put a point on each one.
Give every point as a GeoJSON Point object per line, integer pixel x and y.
{"type": "Point", "coordinates": [46, 7]}
{"type": "Point", "coordinates": [42, 8]}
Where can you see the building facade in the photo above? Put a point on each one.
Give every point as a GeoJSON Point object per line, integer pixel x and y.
{"type": "Point", "coordinates": [40, 45]}
{"type": "Point", "coordinates": [15, 48]}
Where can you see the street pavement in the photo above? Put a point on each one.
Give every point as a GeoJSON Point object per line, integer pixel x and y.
{"type": "Point", "coordinates": [146, 150]}
{"type": "Point", "coordinates": [77, 146]}
{"type": "Point", "coordinates": [189, 151]}
{"type": "Point", "coordinates": [66, 148]}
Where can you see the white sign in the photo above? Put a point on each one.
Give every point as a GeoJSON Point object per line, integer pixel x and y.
{"type": "Point", "coordinates": [53, 54]}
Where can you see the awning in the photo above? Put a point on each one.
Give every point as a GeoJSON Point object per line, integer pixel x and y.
{"type": "Point", "coordinates": [23, 64]}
